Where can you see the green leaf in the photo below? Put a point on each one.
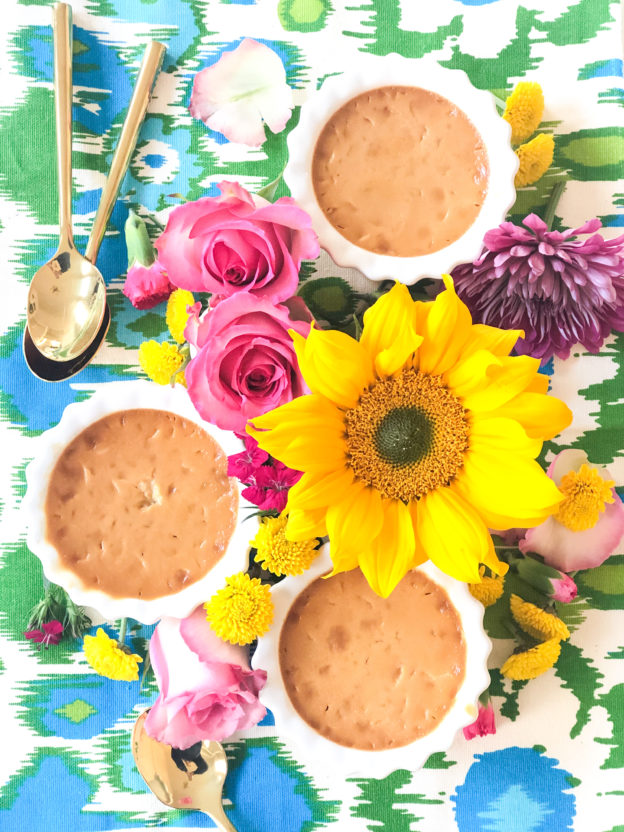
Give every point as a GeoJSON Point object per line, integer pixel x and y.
{"type": "Point", "coordinates": [329, 298]}
{"type": "Point", "coordinates": [580, 676]}
{"type": "Point", "coordinates": [268, 191]}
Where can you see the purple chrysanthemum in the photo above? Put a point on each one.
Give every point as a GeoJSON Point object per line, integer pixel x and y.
{"type": "Point", "coordinates": [557, 289]}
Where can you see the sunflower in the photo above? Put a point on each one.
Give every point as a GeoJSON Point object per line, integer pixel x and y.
{"type": "Point", "coordinates": [415, 440]}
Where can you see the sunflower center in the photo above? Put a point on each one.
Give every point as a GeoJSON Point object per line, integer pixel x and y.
{"type": "Point", "coordinates": [404, 436]}
{"type": "Point", "coordinates": [407, 435]}
{"type": "Point", "coordinates": [585, 496]}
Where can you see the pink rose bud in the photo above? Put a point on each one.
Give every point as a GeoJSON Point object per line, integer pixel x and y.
{"type": "Point", "coordinates": [551, 582]}
{"type": "Point", "coordinates": [146, 287]}
{"type": "Point", "coordinates": [484, 723]}
{"type": "Point", "coordinates": [564, 589]}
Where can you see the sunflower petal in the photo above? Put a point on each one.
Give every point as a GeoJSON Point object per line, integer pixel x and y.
{"type": "Point", "coordinates": [391, 554]}
{"type": "Point", "coordinates": [502, 436]}
{"type": "Point", "coordinates": [452, 534]}
{"type": "Point", "coordinates": [446, 330]}
{"type": "Point", "coordinates": [314, 491]}
{"type": "Point", "coordinates": [389, 335]}
{"type": "Point", "coordinates": [334, 365]}
{"type": "Point", "coordinates": [541, 416]}
{"type": "Point", "coordinates": [509, 493]}
{"type": "Point", "coordinates": [507, 378]}
{"type": "Point", "coordinates": [304, 525]}
{"type": "Point", "coordinates": [499, 342]}
{"type": "Point", "coordinates": [470, 374]}
{"type": "Point", "coordinates": [353, 523]}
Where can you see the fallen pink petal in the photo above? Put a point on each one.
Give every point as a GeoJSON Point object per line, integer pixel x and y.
{"type": "Point", "coordinates": [483, 725]}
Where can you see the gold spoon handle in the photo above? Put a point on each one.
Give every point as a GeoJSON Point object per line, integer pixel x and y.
{"type": "Point", "coordinates": [62, 27]}
{"type": "Point", "coordinates": [220, 819]}
{"type": "Point", "coordinates": [152, 60]}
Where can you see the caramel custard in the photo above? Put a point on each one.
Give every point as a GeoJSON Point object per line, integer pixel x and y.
{"type": "Point", "coordinates": [140, 505]}
{"type": "Point", "coordinates": [369, 672]}
{"type": "Point", "coordinates": [400, 171]}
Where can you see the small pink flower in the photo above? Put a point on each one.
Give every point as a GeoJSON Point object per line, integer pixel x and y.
{"type": "Point", "coordinates": [207, 688]}
{"type": "Point", "coordinates": [244, 465]}
{"type": "Point", "coordinates": [564, 589]}
{"type": "Point", "coordinates": [147, 286]}
{"type": "Point", "coordinates": [569, 550]}
{"type": "Point", "coordinates": [484, 723]}
{"type": "Point", "coordinates": [245, 363]}
{"type": "Point", "coordinates": [242, 91]}
{"type": "Point", "coordinates": [237, 243]}
{"type": "Point", "coordinates": [270, 488]}
{"type": "Point", "coordinates": [50, 633]}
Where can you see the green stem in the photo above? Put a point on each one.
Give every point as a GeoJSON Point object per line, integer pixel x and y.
{"type": "Point", "coordinates": [499, 102]}
{"type": "Point", "coordinates": [555, 196]}
{"type": "Point", "coordinates": [123, 624]}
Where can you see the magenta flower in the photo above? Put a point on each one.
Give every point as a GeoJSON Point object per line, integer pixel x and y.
{"type": "Point", "coordinates": [553, 583]}
{"type": "Point", "coordinates": [269, 491]}
{"type": "Point", "coordinates": [244, 465]}
{"type": "Point", "coordinates": [484, 723]}
{"type": "Point", "coordinates": [557, 289]}
{"type": "Point", "coordinates": [564, 589]}
{"type": "Point", "coordinates": [50, 633]}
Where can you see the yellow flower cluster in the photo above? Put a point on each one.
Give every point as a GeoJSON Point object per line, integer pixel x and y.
{"type": "Point", "coordinates": [177, 316]}
{"type": "Point", "coordinates": [543, 626]}
{"type": "Point", "coordinates": [523, 111]}
{"type": "Point", "coordinates": [279, 555]}
{"type": "Point", "coordinates": [586, 495]}
{"type": "Point", "coordinates": [489, 589]}
{"type": "Point", "coordinates": [242, 610]}
{"type": "Point", "coordinates": [108, 658]}
{"type": "Point", "coordinates": [161, 361]}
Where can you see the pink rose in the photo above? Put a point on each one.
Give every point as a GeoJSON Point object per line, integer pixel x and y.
{"type": "Point", "coordinates": [246, 362]}
{"type": "Point", "coordinates": [236, 243]}
{"type": "Point", "coordinates": [147, 286]}
{"type": "Point", "coordinates": [207, 689]}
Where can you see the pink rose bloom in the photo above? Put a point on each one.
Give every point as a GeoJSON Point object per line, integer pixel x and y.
{"type": "Point", "coordinates": [484, 723]}
{"type": "Point", "coordinates": [237, 243]}
{"type": "Point", "coordinates": [246, 362]}
{"type": "Point", "coordinates": [207, 689]}
{"type": "Point", "coordinates": [147, 286]}
{"type": "Point", "coordinates": [563, 547]}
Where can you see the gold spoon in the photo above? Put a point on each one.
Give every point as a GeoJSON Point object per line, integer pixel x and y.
{"type": "Point", "coordinates": [178, 789]}
{"type": "Point", "coordinates": [68, 316]}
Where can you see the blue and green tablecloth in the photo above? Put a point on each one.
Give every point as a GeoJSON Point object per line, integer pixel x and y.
{"type": "Point", "coordinates": [557, 759]}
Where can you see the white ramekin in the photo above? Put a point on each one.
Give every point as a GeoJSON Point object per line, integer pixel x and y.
{"type": "Point", "coordinates": [318, 752]}
{"type": "Point", "coordinates": [112, 397]}
{"type": "Point", "coordinates": [478, 105]}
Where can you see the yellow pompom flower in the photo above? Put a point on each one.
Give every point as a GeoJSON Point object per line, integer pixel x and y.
{"type": "Point", "coordinates": [177, 316]}
{"type": "Point", "coordinates": [524, 110]}
{"type": "Point", "coordinates": [160, 361]}
{"type": "Point", "coordinates": [489, 589]}
{"type": "Point", "coordinates": [108, 658]}
{"type": "Point", "coordinates": [529, 664]}
{"type": "Point", "coordinates": [279, 555]}
{"type": "Point", "coordinates": [242, 610]}
{"type": "Point", "coordinates": [586, 494]}
{"type": "Point", "coordinates": [538, 623]}
{"type": "Point", "coordinates": [402, 436]}
{"type": "Point", "coordinates": [535, 158]}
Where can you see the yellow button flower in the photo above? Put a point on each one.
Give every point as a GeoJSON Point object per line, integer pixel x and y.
{"type": "Point", "coordinates": [108, 658]}
{"type": "Point", "coordinates": [177, 316]}
{"type": "Point", "coordinates": [586, 494]}
{"type": "Point", "coordinates": [279, 555]}
{"type": "Point", "coordinates": [401, 440]}
{"type": "Point", "coordinates": [489, 589]}
{"type": "Point", "coordinates": [535, 158]}
{"type": "Point", "coordinates": [160, 361]}
{"type": "Point", "coordinates": [242, 610]}
{"type": "Point", "coordinates": [523, 110]}
{"type": "Point", "coordinates": [537, 622]}
{"type": "Point", "coordinates": [529, 664]}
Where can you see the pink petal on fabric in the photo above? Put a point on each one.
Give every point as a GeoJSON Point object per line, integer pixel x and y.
{"type": "Point", "coordinates": [484, 724]}
{"type": "Point", "coordinates": [242, 91]}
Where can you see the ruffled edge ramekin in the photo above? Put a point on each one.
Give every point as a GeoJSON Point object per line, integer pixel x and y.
{"type": "Point", "coordinates": [112, 397]}
{"type": "Point", "coordinates": [321, 754]}
{"type": "Point", "coordinates": [478, 105]}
